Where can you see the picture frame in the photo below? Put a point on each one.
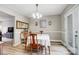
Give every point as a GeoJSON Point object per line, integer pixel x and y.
{"type": "Point", "coordinates": [21, 25]}
{"type": "Point", "coordinates": [43, 23]}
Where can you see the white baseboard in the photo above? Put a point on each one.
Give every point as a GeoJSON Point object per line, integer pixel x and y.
{"type": "Point", "coordinates": [63, 43]}
{"type": "Point", "coordinates": [68, 47]}
{"type": "Point", "coordinates": [55, 40]}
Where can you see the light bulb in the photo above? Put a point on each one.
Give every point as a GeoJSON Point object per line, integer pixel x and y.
{"type": "Point", "coordinates": [40, 15]}
{"type": "Point", "coordinates": [34, 16]}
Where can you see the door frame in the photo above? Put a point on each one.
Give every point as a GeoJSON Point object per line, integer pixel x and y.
{"type": "Point", "coordinates": [70, 12]}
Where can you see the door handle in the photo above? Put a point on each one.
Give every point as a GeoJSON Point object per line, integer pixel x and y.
{"type": "Point", "coordinates": [76, 35]}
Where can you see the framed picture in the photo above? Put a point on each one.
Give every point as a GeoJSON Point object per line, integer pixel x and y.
{"type": "Point", "coordinates": [21, 25]}
{"type": "Point", "coordinates": [18, 24]}
{"type": "Point", "coordinates": [43, 24]}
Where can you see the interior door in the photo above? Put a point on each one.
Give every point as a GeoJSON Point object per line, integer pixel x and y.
{"type": "Point", "coordinates": [75, 27]}
{"type": "Point", "coordinates": [69, 31]}
{"type": "Point", "coordinates": [72, 30]}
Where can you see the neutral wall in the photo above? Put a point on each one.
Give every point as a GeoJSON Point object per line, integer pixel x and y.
{"type": "Point", "coordinates": [18, 31]}
{"type": "Point", "coordinates": [54, 30]}
{"type": "Point", "coordinates": [6, 24]}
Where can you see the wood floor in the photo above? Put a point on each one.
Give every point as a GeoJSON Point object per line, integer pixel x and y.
{"type": "Point", "coordinates": [56, 49]}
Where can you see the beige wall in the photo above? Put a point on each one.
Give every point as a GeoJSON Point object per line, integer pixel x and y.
{"type": "Point", "coordinates": [54, 30]}
{"type": "Point", "coordinates": [18, 31]}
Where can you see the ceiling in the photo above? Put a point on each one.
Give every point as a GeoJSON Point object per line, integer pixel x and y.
{"type": "Point", "coordinates": [5, 16]}
{"type": "Point", "coordinates": [44, 9]}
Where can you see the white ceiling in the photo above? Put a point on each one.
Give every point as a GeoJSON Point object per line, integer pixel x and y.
{"type": "Point", "coordinates": [5, 16]}
{"type": "Point", "coordinates": [44, 9]}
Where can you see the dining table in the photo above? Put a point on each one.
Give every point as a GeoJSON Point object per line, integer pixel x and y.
{"type": "Point", "coordinates": [43, 39]}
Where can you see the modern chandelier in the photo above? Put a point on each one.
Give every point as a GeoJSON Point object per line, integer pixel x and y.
{"type": "Point", "coordinates": [36, 14]}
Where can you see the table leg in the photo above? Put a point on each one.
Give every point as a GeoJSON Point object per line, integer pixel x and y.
{"type": "Point", "coordinates": [45, 50]}
{"type": "Point", "coordinates": [31, 49]}
{"type": "Point", "coordinates": [38, 50]}
{"type": "Point", "coordinates": [49, 49]}
{"type": "Point", "coordinates": [41, 49]}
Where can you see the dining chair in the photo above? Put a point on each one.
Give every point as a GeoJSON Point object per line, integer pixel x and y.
{"type": "Point", "coordinates": [34, 46]}
{"type": "Point", "coordinates": [25, 39]}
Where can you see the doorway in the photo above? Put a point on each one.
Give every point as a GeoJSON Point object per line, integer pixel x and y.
{"type": "Point", "coordinates": [7, 23]}
{"type": "Point", "coordinates": [71, 23]}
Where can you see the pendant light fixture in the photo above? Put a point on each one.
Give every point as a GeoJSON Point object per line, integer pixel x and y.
{"type": "Point", "coordinates": [36, 14]}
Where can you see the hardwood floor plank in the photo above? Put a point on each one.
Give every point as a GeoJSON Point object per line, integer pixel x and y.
{"type": "Point", "coordinates": [56, 49]}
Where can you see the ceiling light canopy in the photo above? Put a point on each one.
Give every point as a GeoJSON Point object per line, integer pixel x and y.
{"type": "Point", "coordinates": [36, 14]}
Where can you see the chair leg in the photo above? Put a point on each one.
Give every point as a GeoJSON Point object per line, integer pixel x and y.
{"type": "Point", "coordinates": [31, 49]}
{"type": "Point", "coordinates": [25, 47]}
{"type": "Point", "coordinates": [37, 50]}
{"type": "Point", "coordinates": [42, 49]}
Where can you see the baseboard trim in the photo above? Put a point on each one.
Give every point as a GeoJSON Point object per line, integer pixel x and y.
{"type": "Point", "coordinates": [72, 53]}
{"type": "Point", "coordinates": [55, 40]}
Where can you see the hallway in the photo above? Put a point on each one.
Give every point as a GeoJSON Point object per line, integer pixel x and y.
{"type": "Point", "coordinates": [56, 49]}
